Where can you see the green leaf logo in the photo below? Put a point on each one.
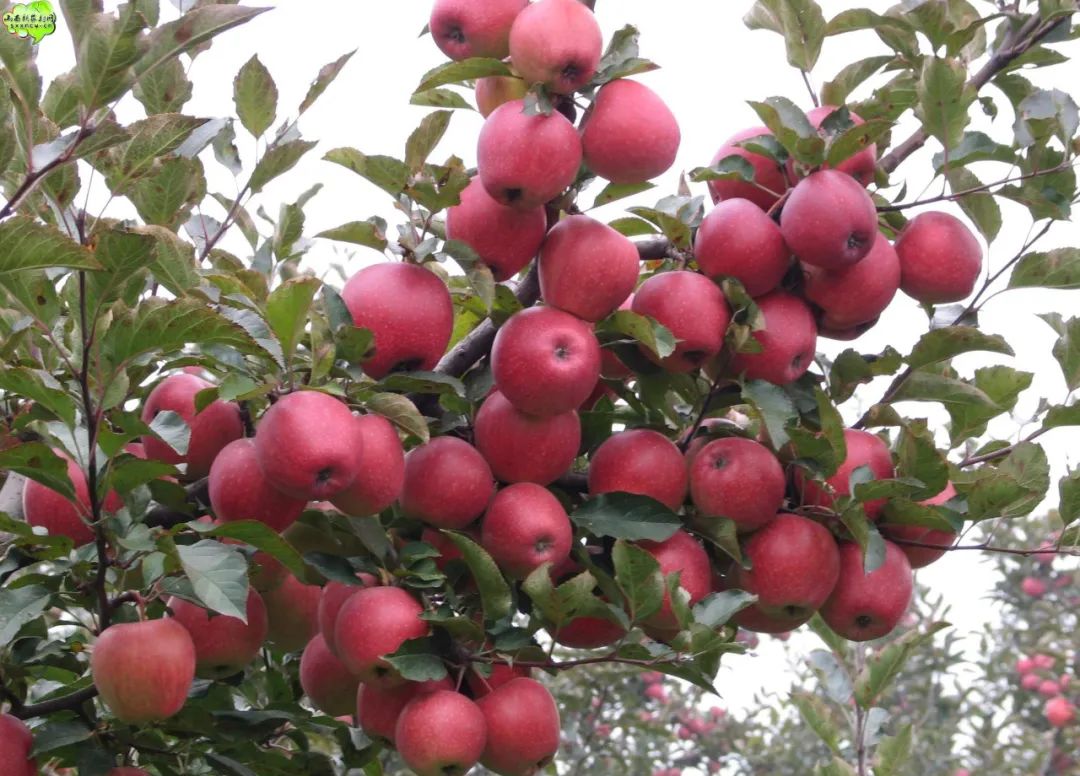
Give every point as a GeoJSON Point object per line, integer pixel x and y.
{"type": "Point", "coordinates": [34, 20]}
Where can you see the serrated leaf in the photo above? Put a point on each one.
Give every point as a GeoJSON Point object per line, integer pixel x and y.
{"type": "Point", "coordinates": [327, 74]}
{"type": "Point", "coordinates": [792, 129]}
{"type": "Point", "coordinates": [422, 382]}
{"type": "Point", "coordinates": [370, 233]}
{"type": "Point", "coordinates": [1069, 495]}
{"type": "Point", "coordinates": [855, 139]}
{"type": "Point", "coordinates": [441, 98]}
{"type": "Point", "coordinates": [799, 21]}
{"type": "Point", "coordinates": [716, 609]}
{"type": "Point", "coordinates": [893, 752]}
{"type": "Point", "coordinates": [852, 369]}
{"type": "Point", "coordinates": [616, 191]}
{"type": "Point", "coordinates": [882, 668]}
{"type": "Point", "coordinates": [732, 167]}
{"type": "Point", "coordinates": [980, 206]}
{"type": "Point", "coordinates": [400, 411]}
{"type": "Point", "coordinates": [927, 386]}
{"type": "Point", "coordinates": [54, 735]}
{"type": "Point", "coordinates": [287, 311]}
{"type": "Point", "coordinates": [151, 138]}
{"type": "Point", "coordinates": [278, 160]}
{"type": "Point", "coordinates": [944, 99]}
{"type": "Point", "coordinates": [1051, 269]}
{"type": "Point", "coordinates": [837, 91]}
{"type": "Point", "coordinates": [425, 137]}
{"type": "Point", "coordinates": [626, 516]}
{"type": "Point", "coordinates": [773, 407]}
{"type": "Point", "coordinates": [1066, 351]}
{"type": "Point", "coordinates": [559, 605]}
{"type": "Point", "coordinates": [38, 462]}
{"type": "Point", "coordinates": [218, 576]}
{"type": "Point", "coordinates": [255, 95]}
{"type": "Point", "coordinates": [417, 661]}
{"type": "Point", "coordinates": [495, 596]}
{"type": "Point", "coordinates": [1003, 385]}
{"type": "Point", "coordinates": [817, 714]}
{"type": "Point", "coordinates": [108, 47]}
{"type": "Point", "coordinates": [389, 174]}
{"type": "Point", "coordinates": [171, 428]}
{"type": "Point", "coordinates": [460, 72]}
{"type": "Point", "coordinates": [194, 28]}
{"type": "Point", "coordinates": [640, 328]}
{"type": "Point", "coordinates": [637, 573]}
{"type": "Point", "coordinates": [261, 537]}
{"type": "Point", "coordinates": [27, 244]}
{"type": "Point", "coordinates": [165, 89]}
{"type": "Point", "coordinates": [943, 344]}
{"type": "Point", "coordinates": [41, 388]}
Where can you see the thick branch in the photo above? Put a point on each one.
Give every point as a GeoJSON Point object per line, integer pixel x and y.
{"type": "Point", "coordinates": [63, 703]}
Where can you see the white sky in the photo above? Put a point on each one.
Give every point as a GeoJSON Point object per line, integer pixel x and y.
{"type": "Point", "coordinates": [711, 65]}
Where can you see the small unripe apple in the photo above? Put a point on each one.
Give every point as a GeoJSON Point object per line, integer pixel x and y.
{"type": "Point", "coordinates": [326, 681]}
{"type": "Point", "coordinates": [737, 239]}
{"type": "Point", "coordinates": [525, 448]}
{"type": "Point", "coordinates": [144, 670]}
{"type": "Point", "coordinates": [829, 220]}
{"type": "Point", "coordinates": [373, 623]}
{"type": "Point", "coordinates": [378, 483]}
{"type": "Point", "coordinates": [640, 461]}
{"type": "Point", "coordinates": [378, 708]}
{"type": "Point", "coordinates": [474, 28]}
{"type": "Point", "coordinates": [940, 259]}
{"type": "Point", "coordinates": [545, 361]}
{"type": "Point", "coordinates": [788, 341]}
{"type": "Point", "coordinates": [587, 268]}
{"type": "Point", "coordinates": [448, 484]}
{"type": "Point", "coordinates": [522, 728]}
{"type": "Point", "coordinates": [693, 308]}
{"type": "Point", "coordinates": [857, 294]}
{"type": "Point", "coordinates": [769, 181]}
{"type": "Point", "coordinates": [494, 90]}
{"type": "Point", "coordinates": [224, 645]}
{"type": "Point", "coordinates": [739, 479]}
{"type": "Point", "coordinates": [863, 449]}
{"type": "Point", "coordinates": [441, 733]}
{"type": "Point", "coordinates": [631, 136]}
{"type": "Point", "coordinates": [556, 43]}
{"type": "Point", "coordinates": [525, 527]}
{"type": "Point", "coordinates": [16, 743]}
{"type": "Point", "coordinates": [239, 490]}
{"type": "Point", "coordinates": [866, 606]}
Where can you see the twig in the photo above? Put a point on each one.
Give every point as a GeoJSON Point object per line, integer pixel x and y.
{"type": "Point", "coordinates": [34, 177]}
{"type": "Point", "coordinates": [986, 547]}
{"type": "Point", "coordinates": [1002, 452]}
{"type": "Point", "coordinates": [810, 88]}
{"type": "Point", "coordinates": [973, 190]}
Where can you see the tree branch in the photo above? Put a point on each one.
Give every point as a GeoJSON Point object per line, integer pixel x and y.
{"type": "Point", "coordinates": [973, 190]}
{"type": "Point", "coordinates": [63, 703]}
{"type": "Point", "coordinates": [34, 177]}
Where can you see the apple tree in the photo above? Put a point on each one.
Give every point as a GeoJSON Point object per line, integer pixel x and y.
{"type": "Point", "coordinates": [259, 520]}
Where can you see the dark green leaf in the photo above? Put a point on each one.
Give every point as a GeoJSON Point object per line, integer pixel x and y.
{"type": "Point", "coordinates": [640, 328]}
{"type": "Point", "coordinates": [218, 576]}
{"type": "Point", "coordinates": [773, 407]}
{"type": "Point", "coordinates": [417, 661]}
{"type": "Point", "coordinates": [370, 233]}
{"type": "Point", "coordinates": [792, 128]}
{"type": "Point", "coordinates": [1053, 269]}
{"type": "Point", "coordinates": [261, 537]}
{"type": "Point", "coordinates": [637, 573]}
{"type": "Point", "coordinates": [171, 428]}
{"type": "Point", "coordinates": [54, 735]}
{"type": "Point", "coordinates": [943, 344]}
{"type": "Point", "coordinates": [980, 206]}
{"type": "Point", "coordinates": [882, 668]}
{"type": "Point", "coordinates": [19, 606]}
{"type": "Point", "coordinates": [256, 96]}
{"type": "Point", "coordinates": [852, 369]}
{"type": "Point", "coordinates": [28, 244]}
{"type": "Point", "coordinates": [400, 411]}
{"type": "Point", "coordinates": [626, 516]}
{"type": "Point", "coordinates": [837, 91]}
{"type": "Point", "coordinates": [716, 609]}
{"type": "Point", "coordinates": [819, 717]}
{"type": "Point", "coordinates": [278, 160]}
{"type": "Point", "coordinates": [1069, 493]}
{"type": "Point", "coordinates": [287, 310]}
{"type": "Point", "coordinates": [495, 595]}
{"type": "Point", "coordinates": [389, 174]}
{"type": "Point", "coordinates": [799, 21]}
{"type": "Point", "coordinates": [425, 137]}
{"type": "Point", "coordinates": [944, 99]}
{"type": "Point", "coordinates": [325, 77]}
{"type": "Point", "coordinates": [855, 139]}
{"type": "Point", "coordinates": [38, 462]}
{"type": "Point", "coordinates": [191, 30]}
{"type": "Point", "coordinates": [108, 47]}
{"type": "Point", "coordinates": [441, 98]}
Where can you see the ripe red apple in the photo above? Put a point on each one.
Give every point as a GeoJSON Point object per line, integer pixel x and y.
{"type": "Point", "coordinates": [326, 681]}
{"type": "Point", "coordinates": [940, 259]}
{"type": "Point", "coordinates": [45, 508]}
{"type": "Point", "coordinates": [525, 527]}
{"type": "Point", "coordinates": [408, 310]}
{"type": "Point", "coordinates": [1030, 682]}
{"type": "Point", "coordinates": [524, 161]}
{"type": "Point", "coordinates": [795, 566]}
{"type": "Point", "coordinates": [854, 295]}
{"type": "Point", "coordinates": [333, 596]}
{"type": "Point", "coordinates": [769, 181]}
{"type": "Point", "coordinates": [448, 551]}
{"type": "Point", "coordinates": [739, 240]}
{"type": "Point", "coordinates": [309, 445]}
{"type": "Point", "coordinates": [218, 424]}
{"type": "Point", "coordinates": [292, 611]}
{"type": "Point", "coordinates": [693, 308]}
{"type": "Point", "coordinates": [753, 619]}
{"type": "Point", "coordinates": [505, 238]}
{"type": "Point", "coordinates": [861, 165]}
{"type": "Point", "coordinates": [16, 743]}
{"type": "Point", "coordinates": [788, 341]}
{"type": "Point", "coordinates": [378, 708]}
{"type": "Point", "coordinates": [1033, 587]}
{"type": "Point", "coordinates": [556, 43]}
{"type": "Point", "coordinates": [494, 90]}
{"type": "Point", "coordinates": [684, 554]}
{"type": "Point", "coordinates": [223, 645]}
{"type": "Point", "coordinates": [868, 606]}
{"type": "Point", "coordinates": [375, 622]}
{"type": "Point", "coordinates": [474, 28]}
{"type": "Point", "coordinates": [588, 633]}
{"type": "Point", "coordinates": [143, 670]}
{"type": "Point", "coordinates": [639, 461]}
{"type": "Point", "coordinates": [501, 673]}
{"type": "Point", "coordinates": [545, 361]}
{"type": "Point", "coordinates": [863, 449]}
{"type": "Point", "coordinates": [240, 491]}
{"type": "Point", "coordinates": [1049, 688]}
{"type": "Point", "coordinates": [829, 220]}
{"type": "Point", "coordinates": [379, 481]}
{"type": "Point", "coordinates": [920, 557]}
{"type": "Point", "coordinates": [448, 484]}
{"type": "Point", "coordinates": [525, 448]}
{"type": "Point", "coordinates": [1059, 711]}
{"type": "Point", "coordinates": [631, 136]}
{"type": "Point", "coordinates": [440, 733]}
{"type": "Point", "coordinates": [522, 728]}
{"type": "Point", "coordinates": [587, 268]}
{"type": "Point", "coordinates": [739, 479]}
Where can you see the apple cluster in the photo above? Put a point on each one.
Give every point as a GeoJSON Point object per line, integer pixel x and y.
{"type": "Point", "coordinates": [1037, 674]}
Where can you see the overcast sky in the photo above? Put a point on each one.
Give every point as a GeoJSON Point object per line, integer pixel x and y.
{"type": "Point", "coordinates": [710, 66]}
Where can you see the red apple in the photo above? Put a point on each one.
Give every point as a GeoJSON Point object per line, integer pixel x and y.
{"type": "Point", "coordinates": [378, 708]}
{"type": "Point", "coordinates": [588, 633]}
{"type": "Point", "coordinates": [684, 554]}
{"type": "Point", "coordinates": [326, 681]}
{"type": "Point", "coordinates": [693, 308]}
{"type": "Point", "coordinates": [753, 619]}
{"type": "Point", "coordinates": [218, 424]}
{"type": "Point", "coordinates": [525, 527]}
{"type": "Point", "coordinates": [380, 480]}
{"type": "Point", "coordinates": [739, 479]}
{"type": "Point", "coordinates": [861, 165]}
{"type": "Point", "coordinates": [373, 623]}
{"type": "Point", "coordinates": [309, 445]}
{"type": "Point", "coordinates": [494, 90]}
{"type": "Point", "coordinates": [857, 294]}
{"type": "Point", "coordinates": [940, 259]}
{"type": "Point", "coordinates": [408, 310]}
{"type": "Point", "coordinates": [769, 181]}
{"type": "Point", "coordinates": [448, 484]}
{"type": "Point", "coordinates": [788, 341]}
{"type": "Point", "coordinates": [1059, 712]}
{"type": "Point", "coordinates": [639, 461]}
{"type": "Point", "coordinates": [525, 448]}
{"type": "Point", "coordinates": [43, 507]}
{"type": "Point", "coordinates": [545, 361]}
{"type": "Point", "coordinates": [240, 491]}
{"type": "Point", "coordinates": [474, 28]}
{"type": "Point", "coordinates": [447, 550]}
{"type": "Point", "coordinates": [224, 645]}
{"type": "Point", "coordinates": [587, 268]}
{"type": "Point", "coordinates": [631, 136]}
{"type": "Point", "coordinates": [501, 673]}
{"type": "Point", "coordinates": [919, 557]}
{"type": "Point", "coordinates": [331, 599]}
{"type": "Point", "coordinates": [556, 43]}
{"type": "Point", "coordinates": [868, 606]}
{"type": "Point", "coordinates": [293, 613]}
{"type": "Point", "coordinates": [863, 449]}
{"type": "Point", "coordinates": [829, 220]}
{"type": "Point", "coordinates": [737, 239]}
{"type": "Point", "coordinates": [525, 160]}
{"type": "Point", "coordinates": [143, 670]}
{"type": "Point", "coordinates": [16, 743]}
{"type": "Point", "coordinates": [441, 733]}
{"type": "Point", "coordinates": [506, 239]}
{"type": "Point", "coordinates": [522, 728]}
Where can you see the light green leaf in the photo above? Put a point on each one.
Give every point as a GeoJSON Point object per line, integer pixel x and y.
{"type": "Point", "coordinates": [28, 244]}
{"type": "Point", "coordinates": [943, 344]}
{"type": "Point", "coordinates": [799, 21]}
{"type": "Point", "coordinates": [638, 576]}
{"type": "Point", "coordinates": [425, 137]}
{"type": "Point", "coordinates": [279, 159]}
{"type": "Point", "coordinates": [1052, 269]}
{"type": "Point", "coordinates": [460, 72]}
{"type": "Point", "coordinates": [255, 95]}
{"type": "Point", "coordinates": [218, 576]}
{"type": "Point", "coordinates": [980, 207]}
{"type": "Point", "coordinates": [287, 311]}
{"type": "Point", "coordinates": [495, 595]}
{"type": "Point", "coordinates": [882, 668]}
{"type": "Point", "coordinates": [389, 174]}
{"type": "Point", "coordinates": [944, 99]}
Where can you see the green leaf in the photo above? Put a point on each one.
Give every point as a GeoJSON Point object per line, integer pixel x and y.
{"type": "Point", "coordinates": [370, 233]}
{"type": "Point", "coordinates": [837, 91]}
{"type": "Point", "coordinates": [733, 167]}
{"type": "Point", "coordinates": [852, 369]}
{"type": "Point", "coordinates": [799, 21]}
{"type": "Point", "coordinates": [640, 328]}
{"type": "Point", "coordinates": [559, 605]}
{"type": "Point", "coordinates": [1062, 416]}
{"type": "Point", "coordinates": [418, 661]}
{"type": "Point", "coordinates": [389, 174]}
{"type": "Point", "coordinates": [980, 207]}
{"type": "Point", "coordinates": [495, 596]}
{"type": "Point", "coordinates": [893, 753]}
{"type": "Point", "coordinates": [1067, 352]}
{"type": "Point", "coordinates": [460, 72]}
{"type": "Point", "coordinates": [171, 428]}
{"type": "Point", "coordinates": [1069, 493]}
{"type": "Point", "coordinates": [819, 717]}
{"type": "Point", "coordinates": [28, 244]}
{"type": "Point", "coordinates": [167, 195]}
{"type": "Point", "coordinates": [38, 462]}
{"type": "Point", "coordinates": [792, 129]}
{"type": "Point", "coordinates": [616, 191]}
{"type": "Point", "coordinates": [943, 344]}
{"type": "Point", "coordinates": [422, 382]}
{"type": "Point", "coordinates": [278, 160]}
{"type": "Point", "coordinates": [626, 516]}
{"type": "Point", "coordinates": [717, 609]}
{"type": "Point", "coordinates": [918, 458]}
{"type": "Point", "coordinates": [287, 310]}
{"type": "Point", "coordinates": [944, 99]}
{"type": "Point", "coordinates": [20, 71]}
{"type": "Point", "coordinates": [773, 407]}
{"type": "Point", "coordinates": [441, 98]}
{"type": "Point", "coordinates": [425, 137]}
{"type": "Point", "coordinates": [41, 388]}
{"type": "Point", "coordinates": [327, 74]}
{"type": "Point", "coordinates": [882, 668]}
{"type": "Point", "coordinates": [927, 386]}
{"type": "Point", "coordinates": [261, 537]}
{"type": "Point", "coordinates": [218, 576]}
{"type": "Point", "coordinates": [1003, 385]}
{"type": "Point", "coordinates": [55, 735]}
{"type": "Point", "coordinates": [165, 89]}
{"type": "Point", "coordinates": [191, 30]}
{"type": "Point", "coordinates": [173, 263]}
{"type": "Point", "coordinates": [1051, 269]}
{"type": "Point", "coordinates": [400, 411]}
{"type": "Point", "coordinates": [637, 573]}
{"type": "Point", "coordinates": [975, 147]}
{"type": "Point", "coordinates": [255, 95]}
{"type": "Point", "coordinates": [108, 48]}
{"type": "Point", "coordinates": [19, 606]}
{"type": "Point", "coordinates": [1014, 485]}
{"type": "Point", "coordinates": [151, 138]}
